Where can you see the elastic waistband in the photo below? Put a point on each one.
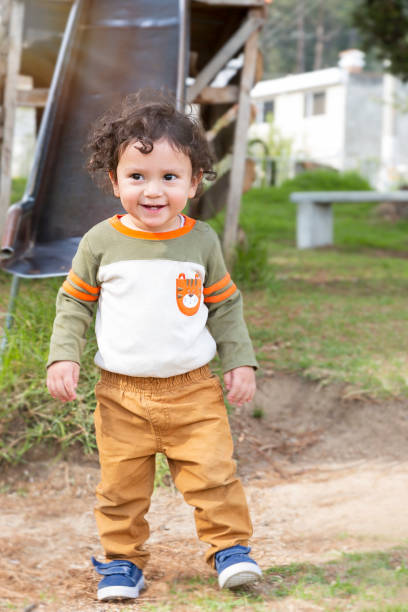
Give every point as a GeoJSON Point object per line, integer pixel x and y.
{"type": "Point", "coordinates": [137, 383]}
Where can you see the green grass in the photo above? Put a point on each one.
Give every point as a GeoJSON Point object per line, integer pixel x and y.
{"type": "Point", "coordinates": [28, 414]}
{"type": "Point", "coordinates": [363, 581]}
{"type": "Point", "coordinates": [268, 216]}
{"type": "Point", "coordinates": [334, 320]}
{"type": "Point", "coordinates": [335, 314]}
{"type": "Point", "coordinates": [368, 581]}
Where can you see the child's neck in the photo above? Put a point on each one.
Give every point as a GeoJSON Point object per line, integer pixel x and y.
{"type": "Point", "coordinates": [128, 222]}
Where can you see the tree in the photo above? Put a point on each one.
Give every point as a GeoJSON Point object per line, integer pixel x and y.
{"type": "Point", "coordinates": [302, 35]}
{"type": "Point", "coordinates": [383, 25]}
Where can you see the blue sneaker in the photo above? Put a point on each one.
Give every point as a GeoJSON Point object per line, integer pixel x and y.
{"type": "Point", "coordinates": [121, 579]}
{"type": "Point", "coordinates": [235, 567]}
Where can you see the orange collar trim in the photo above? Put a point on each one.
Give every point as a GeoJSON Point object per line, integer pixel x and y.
{"type": "Point", "coordinates": [123, 229]}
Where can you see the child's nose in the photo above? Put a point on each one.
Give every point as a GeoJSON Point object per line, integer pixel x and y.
{"type": "Point", "coordinates": [153, 189]}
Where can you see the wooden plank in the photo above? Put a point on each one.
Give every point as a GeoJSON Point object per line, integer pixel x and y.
{"type": "Point", "coordinates": [32, 97]}
{"type": "Point", "coordinates": [229, 116]}
{"type": "Point", "coordinates": [259, 69]}
{"type": "Point", "coordinates": [218, 95]}
{"type": "Point", "coordinates": [10, 103]}
{"type": "Point", "coordinates": [240, 147]}
{"type": "Point", "coordinates": [222, 142]}
{"type": "Point", "coordinates": [221, 136]}
{"type": "Point", "coordinates": [231, 47]}
{"type": "Point", "coordinates": [213, 199]}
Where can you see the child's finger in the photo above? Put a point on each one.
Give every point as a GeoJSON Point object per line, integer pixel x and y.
{"type": "Point", "coordinates": [69, 383]}
{"type": "Point", "coordinates": [57, 390]}
{"type": "Point", "coordinates": [241, 393]}
{"type": "Point", "coordinates": [237, 394]}
{"type": "Point", "coordinates": [60, 387]}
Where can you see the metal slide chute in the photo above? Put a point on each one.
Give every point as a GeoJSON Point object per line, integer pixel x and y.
{"type": "Point", "coordinates": [109, 49]}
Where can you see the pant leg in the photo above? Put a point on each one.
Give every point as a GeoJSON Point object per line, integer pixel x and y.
{"type": "Point", "coordinates": [199, 447]}
{"type": "Point", "coordinates": [127, 448]}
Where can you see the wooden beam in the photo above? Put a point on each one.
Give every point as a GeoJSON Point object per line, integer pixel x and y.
{"type": "Point", "coordinates": [32, 97]}
{"type": "Point", "coordinates": [223, 141]}
{"type": "Point", "coordinates": [229, 116]}
{"type": "Point", "coordinates": [213, 199]}
{"type": "Point", "coordinates": [240, 147]}
{"type": "Point", "coordinates": [231, 47]}
{"type": "Point", "coordinates": [10, 103]}
{"type": "Point", "coordinates": [259, 69]}
{"type": "Point", "coordinates": [218, 95]}
{"type": "Point", "coordinates": [221, 136]}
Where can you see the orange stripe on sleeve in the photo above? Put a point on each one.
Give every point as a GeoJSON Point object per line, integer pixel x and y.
{"type": "Point", "coordinates": [218, 285]}
{"type": "Point", "coordinates": [78, 294]}
{"type": "Point", "coordinates": [78, 281]}
{"type": "Point", "coordinates": [221, 296]}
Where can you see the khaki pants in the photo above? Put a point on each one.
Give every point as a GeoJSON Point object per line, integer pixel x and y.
{"type": "Point", "coordinates": [183, 417]}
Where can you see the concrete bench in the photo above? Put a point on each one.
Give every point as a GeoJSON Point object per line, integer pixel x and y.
{"type": "Point", "coordinates": [314, 221]}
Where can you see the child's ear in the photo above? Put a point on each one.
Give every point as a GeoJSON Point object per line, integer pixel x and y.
{"type": "Point", "coordinates": [114, 183]}
{"type": "Point", "coordinates": [195, 181]}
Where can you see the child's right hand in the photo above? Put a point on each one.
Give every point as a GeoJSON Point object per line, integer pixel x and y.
{"type": "Point", "coordinates": [62, 380]}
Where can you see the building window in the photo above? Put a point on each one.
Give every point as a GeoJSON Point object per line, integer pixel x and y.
{"type": "Point", "coordinates": [315, 103]}
{"type": "Point", "coordinates": [268, 109]}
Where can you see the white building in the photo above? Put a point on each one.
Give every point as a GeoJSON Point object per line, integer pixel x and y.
{"type": "Point", "coordinates": [341, 117]}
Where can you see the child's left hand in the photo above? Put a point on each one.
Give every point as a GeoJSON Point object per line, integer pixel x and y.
{"type": "Point", "coordinates": [241, 385]}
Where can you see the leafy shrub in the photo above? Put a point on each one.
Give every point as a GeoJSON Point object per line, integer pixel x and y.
{"type": "Point", "coordinates": [251, 267]}
{"type": "Point", "coordinates": [326, 180]}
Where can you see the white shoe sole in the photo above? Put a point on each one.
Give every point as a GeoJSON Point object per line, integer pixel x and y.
{"type": "Point", "coordinates": [238, 575]}
{"type": "Point", "coordinates": [121, 591]}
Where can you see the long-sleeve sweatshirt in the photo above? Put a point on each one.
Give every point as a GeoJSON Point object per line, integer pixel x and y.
{"type": "Point", "coordinates": [165, 302]}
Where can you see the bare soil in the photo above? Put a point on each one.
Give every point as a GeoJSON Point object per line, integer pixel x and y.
{"type": "Point", "coordinates": [325, 472]}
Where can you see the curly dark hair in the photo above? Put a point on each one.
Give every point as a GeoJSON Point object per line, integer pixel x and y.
{"type": "Point", "coordinates": [146, 117]}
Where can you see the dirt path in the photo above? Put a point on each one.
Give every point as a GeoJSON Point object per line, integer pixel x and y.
{"type": "Point", "coordinates": [324, 474]}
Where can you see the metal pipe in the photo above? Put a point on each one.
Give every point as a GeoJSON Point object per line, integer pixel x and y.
{"type": "Point", "coordinates": [50, 107]}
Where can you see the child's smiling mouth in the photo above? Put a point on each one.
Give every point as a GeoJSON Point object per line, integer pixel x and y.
{"type": "Point", "coordinates": [153, 207]}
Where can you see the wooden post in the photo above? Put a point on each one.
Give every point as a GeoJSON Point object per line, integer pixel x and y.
{"type": "Point", "coordinates": [240, 145]}
{"type": "Point", "coordinates": [15, 39]}
{"type": "Point", "coordinates": [5, 10]}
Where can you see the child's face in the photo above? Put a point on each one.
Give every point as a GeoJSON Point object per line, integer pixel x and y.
{"type": "Point", "coordinates": [154, 187]}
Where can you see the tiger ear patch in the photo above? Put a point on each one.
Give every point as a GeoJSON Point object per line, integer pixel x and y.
{"type": "Point", "coordinates": [188, 293]}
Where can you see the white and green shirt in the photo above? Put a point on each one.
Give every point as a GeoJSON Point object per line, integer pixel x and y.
{"type": "Point", "coordinates": [165, 302]}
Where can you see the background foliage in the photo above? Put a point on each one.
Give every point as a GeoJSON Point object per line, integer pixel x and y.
{"type": "Point", "coordinates": [303, 35]}
{"type": "Point", "coordinates": [383, 27]}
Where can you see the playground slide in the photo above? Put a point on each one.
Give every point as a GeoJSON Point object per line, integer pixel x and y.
{"type": "Point", "coordinates": [109, 49]}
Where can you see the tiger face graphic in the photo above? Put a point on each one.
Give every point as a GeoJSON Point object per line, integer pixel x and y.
{"type": "Point", "coordinates": [188, 292]}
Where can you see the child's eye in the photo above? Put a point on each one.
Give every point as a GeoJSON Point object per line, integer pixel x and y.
{"type": "Point", "coordinates": [169, 177]}
{"type": "Point", "coordinates": [136, 176]}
